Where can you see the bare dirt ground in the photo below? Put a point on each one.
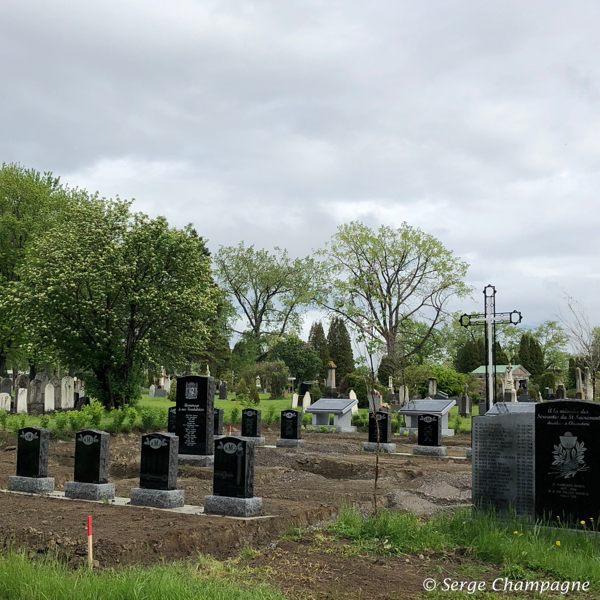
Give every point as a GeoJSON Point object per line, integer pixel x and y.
{"type": "Point", "coordinates": [299, 487]}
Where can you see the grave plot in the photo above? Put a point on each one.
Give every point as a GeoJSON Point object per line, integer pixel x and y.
{"type": "Point", "coordinates": [297, 485]}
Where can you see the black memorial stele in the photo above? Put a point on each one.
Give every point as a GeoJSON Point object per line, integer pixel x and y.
{"type": "Point", "coordinates": [194, 425]}
{"type": "Point", "coordinates": [429, 430]}
{"type": "Point", "coordinates": [290, 425]}
{"type": "Point", "coordinates": [32, 462]}
{"type": "Point", "coordinates": [219, 418]}
{"type": "Point", "coordinates": [172, 422]}
{"type": "Point", "coordinates": [91, 456]}
{"type": "Point", "coordinates": [158, 469]}
{"type": "Point", "coordinates": [251, 422]}
{"type": "Point", "coordinates": [385, 428]}
{"type": "Point", "coordinates": [234, 468]}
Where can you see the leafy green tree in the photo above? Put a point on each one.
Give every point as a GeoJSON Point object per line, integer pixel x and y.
{"type": "Point", "coordinates": [501, 356]}
{"type": "Point", "coordinates": [318, 342]}
{"type": "Point", "coordinates": [110, 291]}
{"type": "Point", "coordinates": [340, 347]}
{"type": "Point", "coordinates": [382, 281]}
{"type": "Point", "coordinates": [271, 290]}
{"type": "Point", "coordinates": [302, 361]}
{"type": "Point", "coordinates": [272, 373]}
{"type": "Point", "coordinates": [553, 340]}
{"type": "Point", "coordinates": [386, 369]}
{"type": "Point", "coordinates": [30, 204]}
{"type": "Point", "coordinates": [241, 392]}
{"type": "Point", "coordinates": [547, 380]}
{"type": "Point", "coordinates": [254, 393]}
{"type": "Point", "coordinates": [245, 353]}
{"type": "Point", "coordinates": [470, 356]}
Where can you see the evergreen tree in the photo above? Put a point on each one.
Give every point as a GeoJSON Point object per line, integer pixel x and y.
{"type": "Point", "coordinates": [318, 342]}
{"type": "Point", "coordinates": [531, 355]}
{"type": "Point", "coordinates": [340, 348]}
{"type": "Point", "coordinates": [385, 370]}
{"type": "Point", "coordinates": [501, 356]}
{"type": "Point", "coordinates": [470, 356]}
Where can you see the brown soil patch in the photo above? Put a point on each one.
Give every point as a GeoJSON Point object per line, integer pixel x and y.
{"type": "Point", "coordinates": [304, 486]}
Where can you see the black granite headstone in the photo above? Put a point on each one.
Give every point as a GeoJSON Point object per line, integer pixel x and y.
{"type": "Point", "coordinates": [429, 430]}
{"type": "Point", "coordinates": [567, 460]}
{"type": "Point", "coordinates": [218, 419]}
{"type": "Point", "coordinates": [223, 394]}
{"type": "Point", "coordinates": [385, 427]}
{"type": "Point", "coordinates": [158, 469]}
{"type": "Point", "coordinates": [91, 456]}
{"type": "Point", "coordinates": [234, 468]}
{"type": "Point", "coordinates": [251, 422]}
{"type": "Point", "coordinates": [172, 422]}
{"type": "Point", "coordinates": [195, 395]}
{"type": "Point", "coordinates": [32, 452]}
{"type": "Point", "coordinates": [290, 425]}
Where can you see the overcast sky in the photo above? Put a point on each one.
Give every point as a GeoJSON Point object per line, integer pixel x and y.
{"type": "Point", "coordinates": [273, 122]}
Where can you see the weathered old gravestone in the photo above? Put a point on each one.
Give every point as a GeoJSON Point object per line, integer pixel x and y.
{"type": "Point", "coordinates": [218, 419]}
{"type": "Point", "coordinates": [290, 430]}
{"type": "Point", "coordinates": [195, 427]}
{"type": "Point", "coordinates": [429, 439]}
{"type": "Point", "coordinates": [5, 402]}
{"type": "Point", "coordinates": [158, 472]}
{"type": "Point", "coordinates": [384, 419]}
{"type": "Point", "coordinates": [21, 400]}
{"type": "Point", "coordinates": [35, 396]}
{"type": "Point", "coordinates": [223, 395]}
{"type": "Point", "coordinates": [67, 393]}
{"type": "Point", "coordinates": [306, 400]}
{"type": "Point", "coordinates": [160, 393]}
{"type": "Point", "coordinates": [251, 427]}
{"type": "Point", "coordinates": [151, 391]}
{"type": "Point", "coordinates": [6, 386]}
{"type": "Point", "coordinates": [172, 420]}
{"type": "Point", "coordinates": [32, 462]}
{"type": "Point", "coordinates": [48, 398]}
{"type": "Point", "coordinates": [561, 393]}
{"type": "Point", "coordinates": [543, 463]}
{"type": "Point", "coordinates": [464, 404]}
{"type": "Point", "coordinates": [294, 400]}
{"type": "Point", "coordinates": [91, 467]}
{"type": "Point", "coordinates": [233, 480]}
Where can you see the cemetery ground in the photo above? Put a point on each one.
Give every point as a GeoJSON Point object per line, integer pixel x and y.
{"type": "Point", "coordinates": [306, 550]}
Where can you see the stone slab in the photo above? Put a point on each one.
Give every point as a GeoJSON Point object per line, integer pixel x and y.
{"type": "Point", "coordinates": [281, 443]}
{"type": "Point", "coordinates": [414, 431]}
{"type": "Point", "coordinates": [157, 498]}
{"type": "Point", "coordinates": [347, 429]}
{"type": "Point", "coordinates": [31, 485]}
{"type": "Point", "coordinates": [255, 441]}
{"type": "Point", "coordinates": [197, 460]}
{"type": "Point", "coordinates": [470, 453]}
{"type": "Point", "coordinates": [232, 507]}
{"type": "Point", "coordinates": [372, 447]}
{"type": "Point", "coordinates": [78, 490]}
{"type": "Point", "coordinates": [430, 450]}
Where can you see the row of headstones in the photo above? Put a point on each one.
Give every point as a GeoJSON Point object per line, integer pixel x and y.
{"type": "Point", "coordinates": [233, 477]}
{"type": "Point", "coordinates": [429, 434]}
{"type": "Point", "coordinates": [307, 400]}
{"type": "Point", "coordinates": [41, 395]}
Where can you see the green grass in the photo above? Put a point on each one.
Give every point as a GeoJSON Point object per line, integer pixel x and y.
{"type": "Point", "coordinates": [521, 548]}
{"type": "Point", "coordinates": [23, 579]}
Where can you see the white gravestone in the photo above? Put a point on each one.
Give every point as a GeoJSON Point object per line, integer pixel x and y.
{"type": "Point", "coordinates": [5, 402]}
{"type": "Point", "coordinates": [294, 400]}
{"type": "Point", "coordinates": [306, 400]}
{"type": "Point", "coordinates": [22, 400]}
{"type": "Point", "coordinates": [352, 396]}
{"type": "Point", "coordinates": [151, 391]}
{"type": "Point", "coordinates": [48, 398]}
{"type": "Point", "coordinates": [67, 397]}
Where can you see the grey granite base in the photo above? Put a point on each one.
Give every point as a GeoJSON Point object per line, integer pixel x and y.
{"type": "Point", "coordinates": [415, 431]}
{"type": "Point", "coordinates": [253, 441]}
{"type": "Point", "coordinates": [470, 453]}
{"type": "Point", "coordinates": [372, 447]}
{"type": "Point", "coordinates": [157, 498]}
{"type": "Point", "coordinates": [281, 443]}
{"type": "Point", "coordinates": [346, 429]}
{"type": "Point", "coordinates": [33, 485]}
{"type": "Point", "coordinates": [430, 450]}
{"type": "Point", "coordinates": [89, 491]}
{"type": "Point", "coordinates": [232, 507]}
{"type": "Point", "coordinates": [197, 460]}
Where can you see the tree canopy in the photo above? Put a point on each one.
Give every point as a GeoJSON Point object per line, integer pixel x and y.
{"type": "Point", "coordinates": [339, 345]}
{"type": "Point", "coordinates": [109, 291]}
{"type": "Point", "coordinates": [318, 342]}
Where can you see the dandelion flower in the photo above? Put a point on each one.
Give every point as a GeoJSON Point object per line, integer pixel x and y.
{"type": "Point", "coordinates": [558, 543]}
{"type": "Point", "coordinates": [582, 522]}
{"type": "Point", "coordinates": [516, 532]}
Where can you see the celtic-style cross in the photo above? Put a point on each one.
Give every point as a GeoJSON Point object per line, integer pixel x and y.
{"type": "Point", "coordinates": [490, 318]}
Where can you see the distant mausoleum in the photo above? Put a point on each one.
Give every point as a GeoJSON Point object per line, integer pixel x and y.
{"type": "Point", "coordinates": [520, 375]}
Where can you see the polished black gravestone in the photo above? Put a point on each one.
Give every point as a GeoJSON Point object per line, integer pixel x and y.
{"type": "Point", "coordinates": [429, 436]}
{"type": "Point", "coordinates": [195, 417]}
{"type": "Point", "coordinates": [251, 422]}
{"type": "Point", "coordinates": [158, 472]}
{"type": "Point", "coordinates": [218, 419]}
{"type": "Point", "coordinates": [567, 460]}
{"type": "Point", "coordinates": [91, 467]}
{"type": "Point", "coordinates": [233, 480]}
{"type": "Point", "coordinates": [172, 421]}
{"type": "Point", "coordinates": [384, 419]}
{"type": "Point", "coordinates": [305, 386]}
{"type": "Point", "coordinates": [32, 462]}
{"type": "Point", "coordinates": [290, 429]}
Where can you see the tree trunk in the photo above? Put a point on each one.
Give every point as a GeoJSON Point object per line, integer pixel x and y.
{"type": "Point", "coordinates": [32, 371]}
{"type": "Point", "coordinates": [3, 371]}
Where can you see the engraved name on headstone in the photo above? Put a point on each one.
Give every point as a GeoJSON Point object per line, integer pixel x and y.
{"type": "Point", "coordinates": [194, 426]}
{"type": "Point", "coordinates": [385, 427]}
{"type": "Point", "coordinates": [234, 468]}
{"type": "Point", "coordinates": [91, 456]}
{"type": "Point", "coordinates": [290, 425]}
{"type": "Point", "coordinates": [32, 452]}
{"type": "Point", "coordinates": [429, 432]}
{"type": "Point", "coordinates": [158, 469]}
{"type": "Point", "coordinates": [251, 422]}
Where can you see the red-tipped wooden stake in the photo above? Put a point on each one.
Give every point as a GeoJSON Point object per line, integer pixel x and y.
{"type": "Point", "coordinates": [90, 551]}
